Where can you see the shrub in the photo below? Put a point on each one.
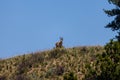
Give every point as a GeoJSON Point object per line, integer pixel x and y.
{"type": "Point", "coordinates": [3, 77]}
{"type": "Point", "coordinates": [21, 77]}
{"type": "Point", "coordinates": [107, 66]}
{"type": "Point", "coordinates": [55, 53]}
{"type": "Point", "coordinates": [70, 76]}
{"type": "Point", "coordinates": [50, 72]}
{"type": "Point", "coordinates": [26, 64]}
{"type": "Point", "coordinates": [84, 50]}
{"type": "Point", "coordinates": [109, 61]}
{"type": "Point", "coordinates": [59, 70]}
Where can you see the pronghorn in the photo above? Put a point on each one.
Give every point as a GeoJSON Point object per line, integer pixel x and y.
{"type": "Point", "coordinates": [59, 44]}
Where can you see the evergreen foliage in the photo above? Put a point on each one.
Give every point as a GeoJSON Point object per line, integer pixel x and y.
{"type": "Point", "coordinates": [115, 24]}
{"type": "Point", "coordinates": [107, 67]}
{"type": "Point", "coordinates": [110, 62]}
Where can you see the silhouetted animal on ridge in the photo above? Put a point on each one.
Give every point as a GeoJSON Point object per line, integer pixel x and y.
{"type": "Point", "coordinates": [59, 44]}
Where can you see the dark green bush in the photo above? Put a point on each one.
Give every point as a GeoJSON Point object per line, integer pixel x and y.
{"type": "Point", "coordinates": [107, 66]}
{"type": "Point", "coordinates": [70, 76]}
{"type": "Point", "coordinates": [110, 62]}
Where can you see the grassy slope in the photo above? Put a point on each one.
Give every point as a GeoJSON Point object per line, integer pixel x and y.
{"type": "Point", "coordinates": [49, 65]}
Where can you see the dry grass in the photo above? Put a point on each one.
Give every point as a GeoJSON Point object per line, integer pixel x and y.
{"type": "Point", "coordinates": [49, 65]}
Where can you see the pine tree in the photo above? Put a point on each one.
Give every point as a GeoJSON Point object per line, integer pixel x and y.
{"type": "Point", "coordinates": [108, 63]}
{"type": "Point", "coordinates": [115, 24]}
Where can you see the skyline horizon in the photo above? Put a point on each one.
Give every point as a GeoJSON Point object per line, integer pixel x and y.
{"type": "Point", "coordinates": [29, 26]}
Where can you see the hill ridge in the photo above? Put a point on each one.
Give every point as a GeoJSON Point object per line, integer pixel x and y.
{"type": "Point", "coordinates": [52, 64]}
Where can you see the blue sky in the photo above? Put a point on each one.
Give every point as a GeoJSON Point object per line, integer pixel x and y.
{"type": "Point", "coordinates": [35, 25]}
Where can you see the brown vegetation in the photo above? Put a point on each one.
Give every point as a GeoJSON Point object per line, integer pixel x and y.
{"type": "Point", "coordinates": [49, 65]}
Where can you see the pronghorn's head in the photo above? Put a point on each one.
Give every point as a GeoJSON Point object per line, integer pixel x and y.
{"type": "Point", "coordinates": [61, 38]}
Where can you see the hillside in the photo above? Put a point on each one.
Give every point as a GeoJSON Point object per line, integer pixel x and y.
{"type": "Point", "coordinates": [49, 65]}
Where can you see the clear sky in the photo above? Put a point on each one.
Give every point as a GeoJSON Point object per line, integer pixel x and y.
{"type": "Point", "coordinates": [35, 25]}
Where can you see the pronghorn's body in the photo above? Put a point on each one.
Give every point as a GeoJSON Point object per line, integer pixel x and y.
{"type": "Point", "coordinates": [59, 44]}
